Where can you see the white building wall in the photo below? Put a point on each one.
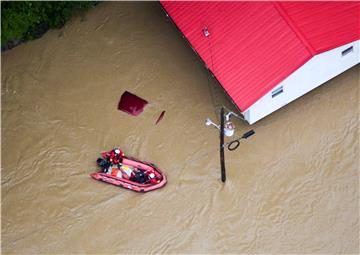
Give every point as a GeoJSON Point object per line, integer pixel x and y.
{"type": "Point", "coordinates": [312, 74]}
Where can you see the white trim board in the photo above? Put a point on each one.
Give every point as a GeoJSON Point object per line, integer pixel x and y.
{"type": "Point", "coordinates": [318, 70]}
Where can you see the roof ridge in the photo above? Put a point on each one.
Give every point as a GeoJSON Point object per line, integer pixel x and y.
{"type": "Point", "coordinates": [294, 28]}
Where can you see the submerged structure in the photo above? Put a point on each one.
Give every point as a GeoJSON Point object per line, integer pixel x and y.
{"type": "Point", "coordinates": [267, 54]}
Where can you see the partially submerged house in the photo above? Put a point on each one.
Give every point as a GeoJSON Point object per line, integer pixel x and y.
{"type": "Point", "coordinates": [267, 54]}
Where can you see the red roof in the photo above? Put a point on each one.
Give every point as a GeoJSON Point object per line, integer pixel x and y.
{"type": "Point", "coordinates": [253, 46]}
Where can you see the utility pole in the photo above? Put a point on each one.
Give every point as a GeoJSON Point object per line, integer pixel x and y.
{"type": "Point", "coordinates": [227, 129]}
{"type": "Point", "coordinates": [222, 153]}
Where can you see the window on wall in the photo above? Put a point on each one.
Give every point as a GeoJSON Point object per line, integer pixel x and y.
{"type": "Point", "coordinates": [277, 91]}
{"type": "Point", "coordinates": [347, 51]}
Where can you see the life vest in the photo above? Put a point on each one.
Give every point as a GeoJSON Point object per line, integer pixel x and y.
{"type": "Point", "coordinates": [114, 156]}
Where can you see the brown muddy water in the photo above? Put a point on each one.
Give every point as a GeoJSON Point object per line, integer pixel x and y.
{"type": "Point", "coordinates": [291, 188]}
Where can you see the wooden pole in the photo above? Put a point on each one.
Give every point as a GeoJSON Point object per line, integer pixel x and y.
{"type": "Point", "coordinates": [222, 153]}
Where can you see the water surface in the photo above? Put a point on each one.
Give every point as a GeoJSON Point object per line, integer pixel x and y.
{"type": "Point", "coordinates": [291, 188]}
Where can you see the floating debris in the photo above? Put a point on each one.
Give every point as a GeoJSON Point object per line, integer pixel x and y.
{"type": "Point", "coordinates": [160, 117]}
{"type": "Point", "coordinates": [131, 104]}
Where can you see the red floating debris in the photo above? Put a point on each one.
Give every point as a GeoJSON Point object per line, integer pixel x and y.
{"type": "Point", "coordinates": [160, 117]}
{"type": "Point", "coordinates": [131, 104]}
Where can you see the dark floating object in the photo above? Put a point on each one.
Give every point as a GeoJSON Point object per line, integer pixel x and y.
{"type": "Point", "coordinates": [160, 117]}
{"type": "Point", "coordinates": [131, 104]}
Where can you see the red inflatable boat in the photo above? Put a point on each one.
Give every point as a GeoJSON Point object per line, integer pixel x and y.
{"type": "Point", "coordinates": [128, 173]}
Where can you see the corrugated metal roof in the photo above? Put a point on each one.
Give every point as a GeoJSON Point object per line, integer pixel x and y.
{"type": "Point", "coordinates": [253, 46]}
{"type": "Point", "coordinates": [325, 25]}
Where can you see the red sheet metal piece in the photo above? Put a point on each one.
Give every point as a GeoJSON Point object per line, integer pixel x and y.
{"type": "Point", "coordinates": [131, 104]}
{"type": "Point", "coordinates": [252, 46]}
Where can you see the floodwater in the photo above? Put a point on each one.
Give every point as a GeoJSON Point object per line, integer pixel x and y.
{"type": "Point", "coordinates": [291, 188]}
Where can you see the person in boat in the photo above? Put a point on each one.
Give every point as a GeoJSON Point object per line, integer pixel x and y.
{"type": "Point", "coordinates": [136, 175]}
